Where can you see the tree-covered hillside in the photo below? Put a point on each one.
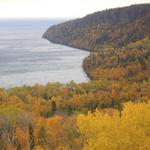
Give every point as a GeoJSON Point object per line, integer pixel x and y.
{"type": "Point", "coordinates": [117, 38]}
{"type": "Point", "coordinates": [130, 63]}
{"type": "Point", "coordinates": [115, 27]}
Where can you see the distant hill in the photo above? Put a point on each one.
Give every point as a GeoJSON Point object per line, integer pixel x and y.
{"type": "Point", "coordinates": [119, 41]}
{"type": "Point", "coordinates": [116, 27]}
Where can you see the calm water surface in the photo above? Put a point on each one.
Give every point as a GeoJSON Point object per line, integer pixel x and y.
{"type": "Point", "coordinates": [26, 58]}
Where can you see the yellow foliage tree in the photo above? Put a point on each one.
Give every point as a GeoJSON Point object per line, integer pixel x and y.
{"type": "Point", "coordinates": [131, 131]}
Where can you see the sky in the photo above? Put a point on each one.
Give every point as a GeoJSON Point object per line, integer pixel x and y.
{"type": "Point", "coordinates": [58, 8]}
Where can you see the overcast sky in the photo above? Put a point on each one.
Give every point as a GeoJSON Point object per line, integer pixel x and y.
{"type": "Point", "coordinates": [58, 8]}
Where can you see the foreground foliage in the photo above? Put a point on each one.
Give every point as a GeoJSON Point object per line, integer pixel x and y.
{"type": "Point", "coordinates": [22, 127]}
{"type": "Point", "coordinates": [48, 117]}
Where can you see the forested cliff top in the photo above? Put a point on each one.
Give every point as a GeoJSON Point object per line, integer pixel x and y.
{"type": "Point", "coordinates": [116, 27]}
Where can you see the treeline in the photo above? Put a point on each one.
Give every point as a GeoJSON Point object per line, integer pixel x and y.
{"type": "Point", "coordinates": [75, 98]}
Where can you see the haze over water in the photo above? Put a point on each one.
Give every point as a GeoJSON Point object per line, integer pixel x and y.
{"type": "Point", "coordinates": [26, 58]}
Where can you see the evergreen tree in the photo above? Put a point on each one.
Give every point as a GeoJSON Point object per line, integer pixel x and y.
{"type": "Point", "coordinates": [31, 137]}
{"type": "Point", "coordinates": [54, 107]}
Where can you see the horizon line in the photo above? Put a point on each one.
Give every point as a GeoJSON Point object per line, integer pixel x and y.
{"type": "Point", "coordinates": [36, 18]}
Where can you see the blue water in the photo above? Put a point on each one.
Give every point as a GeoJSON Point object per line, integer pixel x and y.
{"type": "Point", "coordinates": [26, 58]}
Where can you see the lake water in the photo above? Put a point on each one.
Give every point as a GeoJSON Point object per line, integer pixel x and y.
{"type": "Point", "coordinates": [26, 58]}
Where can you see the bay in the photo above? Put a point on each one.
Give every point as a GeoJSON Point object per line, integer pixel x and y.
{"type": "Point", "coordinates": [26, 58]}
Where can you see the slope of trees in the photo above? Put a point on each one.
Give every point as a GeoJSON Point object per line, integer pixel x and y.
{"type": "Point", "coordinates": [114, 27]}
{"type": "Point", "coordinates": [131, 63]}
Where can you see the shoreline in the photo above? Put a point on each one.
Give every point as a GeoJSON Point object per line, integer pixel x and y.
{"type": "Point", "coordinates": [87, 50]}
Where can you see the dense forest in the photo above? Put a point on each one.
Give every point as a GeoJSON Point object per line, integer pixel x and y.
{"type": "Point", "coordinates": [110, 112]}
{"type": "Point", "coordinates": [86, 116]}
{"type": "Point", "coordinates": [114, 27]}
